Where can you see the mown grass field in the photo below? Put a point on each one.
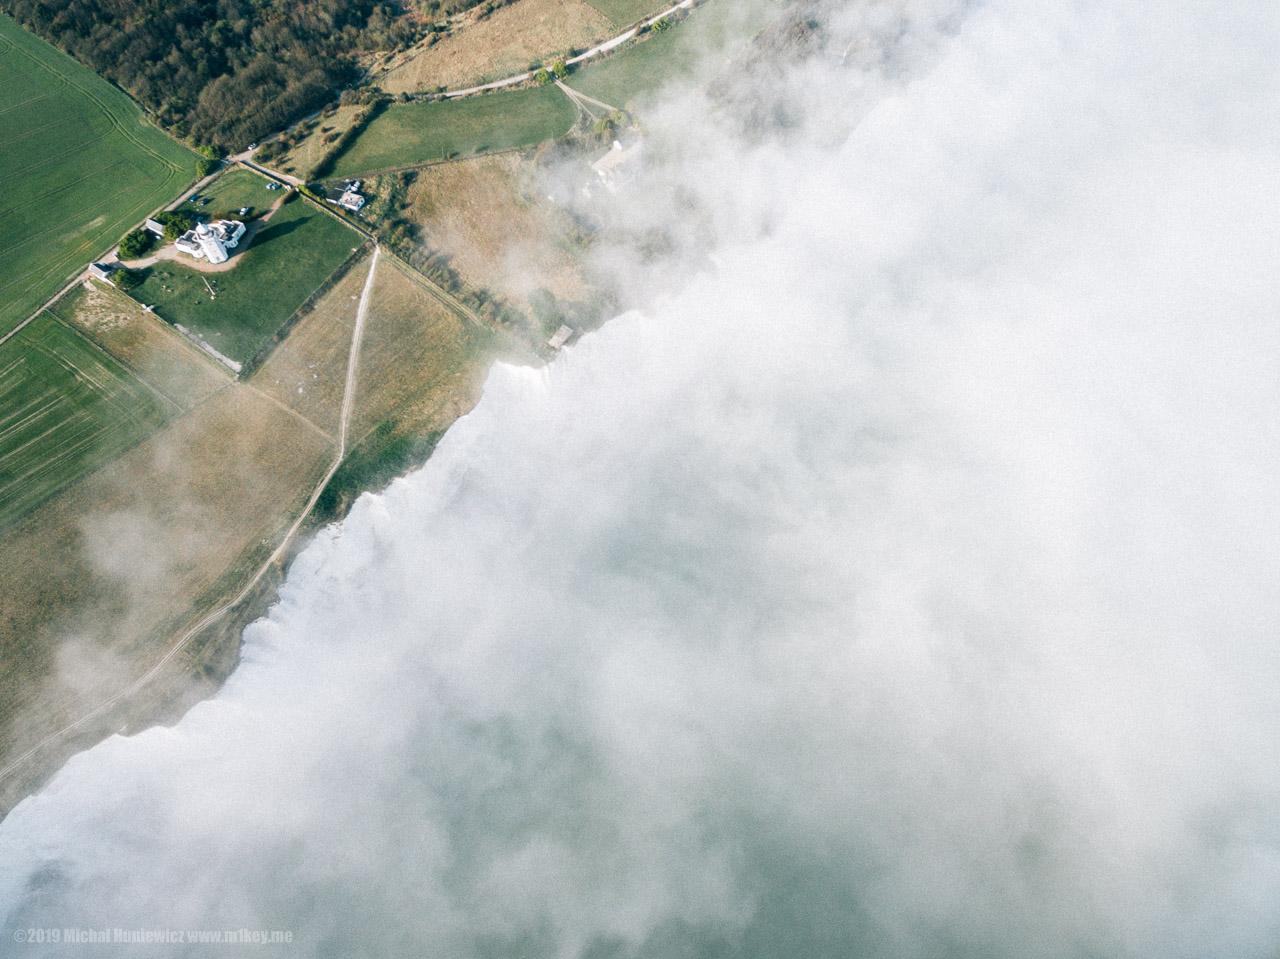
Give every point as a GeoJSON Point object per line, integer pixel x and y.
{"type": "Point", "coordinates": [236, 188]}
{"type": "Point", "coordinates": [78, 166]}
{"type": "Point", "coordinates": [626, 12]}
{"type": "Point", "coordinates": [692, 50]}
{"type": "Point", "coordinates": [424, 132]}
{"type": "Point", "coordinates": [291, 255]}
{"type": "Point", "coordinates": [65, 408]}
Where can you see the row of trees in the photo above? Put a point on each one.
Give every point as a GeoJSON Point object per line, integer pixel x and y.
{"type": "Point", "coordinates": [139, 242]}
{"type": "Point", "coordinates": [557, 71]}
{"type": "Point", "coordinates": [225, 72]}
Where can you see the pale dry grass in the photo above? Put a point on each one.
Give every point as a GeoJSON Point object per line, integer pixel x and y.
{"type": "Point", "coordinates": [496, 235]}
{"type": "Point", "coordinates": [99, 581]}
{"type": "Point", "coordinates": [308, 371]}
{"type": "Point", "coordinates": [95, 583]}
{"type": "Point", "coordinates": [149, 347]}
{"type": "Point", "coordinates": [310, 150]}
{"type": "Point", "coordinates": [506, 43]}
{"type": "Point", "coordinates": [420, 363]}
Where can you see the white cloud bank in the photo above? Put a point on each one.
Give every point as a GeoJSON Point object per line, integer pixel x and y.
{"type": "Point", "coordinates": [906, 586]}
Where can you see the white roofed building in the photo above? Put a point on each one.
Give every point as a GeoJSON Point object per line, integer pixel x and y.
{"type": "Point", "coordinates": [561, 337]}
{"type": "Point", "coordinates": [346, 195]}
{"type": "Point", "coordinates": [210, 241]}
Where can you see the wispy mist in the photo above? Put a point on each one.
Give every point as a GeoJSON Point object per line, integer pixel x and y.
{"type": "Point", "coordinates": [902, 581]}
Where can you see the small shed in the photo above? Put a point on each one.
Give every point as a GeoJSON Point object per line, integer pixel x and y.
{"type": "Point", "coordinates": [155, 226]}
{"type": "Point", "coordinates": [561, 337]}
{"type": "Point", "coordinates": [99, 272]}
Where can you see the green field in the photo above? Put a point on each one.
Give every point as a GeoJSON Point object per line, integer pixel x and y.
{"type": "Point", "coordinates": [295, 252]}
{"type": "Point", "coordinates": [422, 132]}
{"type": "Point", "coordinates": [78, 166]}
{"type": "Point", "coordinates": [626, 12]}
{"type": "Point", "coordinates": [235, 189]}
{"type": "Point", "coordinates": [65, 408]}
{"type": "Point", "coordinates": [694, 49]}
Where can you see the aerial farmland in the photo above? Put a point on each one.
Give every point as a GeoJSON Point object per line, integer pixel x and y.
{"type": "Point", "coordinates": [65, 407]}
{"type": "Point", "coordinates": [78, 162]}
{"type": "Point", "coordinates": [294, 248]}
{"type": "Point", "coordinates": [172, 424]}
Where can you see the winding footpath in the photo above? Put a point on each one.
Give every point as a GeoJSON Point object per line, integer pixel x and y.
{"type": "Point", "coordinates": [215, 616]}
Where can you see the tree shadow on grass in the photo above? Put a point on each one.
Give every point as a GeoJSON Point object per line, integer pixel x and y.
{"type": "Point", "coordinates": [273, 231]}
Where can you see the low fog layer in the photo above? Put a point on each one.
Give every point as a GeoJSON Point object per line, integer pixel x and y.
{"type": "Point", "coordinates": [905, 583]}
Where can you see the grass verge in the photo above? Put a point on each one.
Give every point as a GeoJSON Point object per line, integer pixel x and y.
{"type": "Point", "coordinates": [689, 51]}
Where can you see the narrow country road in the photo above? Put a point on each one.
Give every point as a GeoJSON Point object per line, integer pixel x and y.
{"type": "Point", "coordinates": [593, 52]}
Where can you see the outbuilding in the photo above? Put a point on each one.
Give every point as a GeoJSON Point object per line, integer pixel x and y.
{"type": "Point", "coordinates": [346, 195]}
{"type": "Point", "coordinates": [561, 337]}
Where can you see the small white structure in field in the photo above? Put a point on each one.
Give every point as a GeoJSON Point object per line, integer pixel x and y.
{"type": "Point", "coordinates": [612, 169]}
{"type": "Point", "coordinates": [155, 226]}
{"type": "Point", "coordinates": [561, 337]}
{"type": "Point", "coordinates": [99, 272]}
{"type": "Point", "coordinates": [210, 241]}
{"type": "Point", "coordinates": [347, 195]}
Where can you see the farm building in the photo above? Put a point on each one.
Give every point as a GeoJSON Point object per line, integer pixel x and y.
{"type": "Point", "coordinates": [155, 226]}
{"type": "Point", "coordinates": [99, 272]}
{"type": "Point", "coordinates": [210, 241]}
{"type": "Point", "coordinates": [618, 165]}
{"type": "Point", "coordinates": [347, 195]}
{"type": "Point", "coordinates": [561, 337]}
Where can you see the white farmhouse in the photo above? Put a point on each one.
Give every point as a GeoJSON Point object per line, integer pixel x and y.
{"type": "Point", "coordinates": [210, 241]}
{"type": "Point", "coordinates": [347, 195]}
